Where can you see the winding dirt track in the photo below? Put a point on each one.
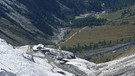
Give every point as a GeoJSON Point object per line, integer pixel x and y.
{"type": "Point", "coordinates": [75, 34]}
{"type": "Point", "coordinates": [59, 47]}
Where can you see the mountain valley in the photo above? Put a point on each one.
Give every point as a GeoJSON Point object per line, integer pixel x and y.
{"type": "Point", "coordinates": [67, 37]}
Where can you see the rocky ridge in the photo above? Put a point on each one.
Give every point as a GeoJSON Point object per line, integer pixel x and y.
{"type": "Point", "coordinates": [42, 61]}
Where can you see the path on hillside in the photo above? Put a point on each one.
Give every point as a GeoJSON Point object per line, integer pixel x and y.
{"type": "Point", "coordinates": [72, 36]}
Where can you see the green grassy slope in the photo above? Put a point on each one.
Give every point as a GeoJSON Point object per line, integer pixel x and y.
{"type": "Point", "coordinates": [100, 33]}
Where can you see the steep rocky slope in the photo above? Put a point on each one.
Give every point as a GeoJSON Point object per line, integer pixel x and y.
{"type": "Point", "coordinates": [20, 25]}
{"type": "Point", "coordinates": [34, 21]}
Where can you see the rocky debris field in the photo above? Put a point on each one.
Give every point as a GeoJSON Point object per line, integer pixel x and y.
{"type": "Point", "coordinates": [39, 60]}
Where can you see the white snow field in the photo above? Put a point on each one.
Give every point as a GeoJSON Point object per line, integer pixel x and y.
{"type": "Point", "coordinates": [24, 61]}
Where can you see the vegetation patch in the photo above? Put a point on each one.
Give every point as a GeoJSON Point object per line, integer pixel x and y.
{"type": "Point", "coordinates": [98, 37]}
{"type": "Point", "coordinates": [89, 21]}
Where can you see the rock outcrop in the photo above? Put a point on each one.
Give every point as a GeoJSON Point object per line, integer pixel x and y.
{"type": "Point", "coordinates": [24, 61]}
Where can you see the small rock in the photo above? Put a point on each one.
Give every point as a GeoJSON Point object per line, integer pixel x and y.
{"type": "Point", "coordinates": [29, 57]}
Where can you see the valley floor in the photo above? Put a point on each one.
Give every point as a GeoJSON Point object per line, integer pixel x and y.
{"type": "Point", "coordinates": [100, 43]}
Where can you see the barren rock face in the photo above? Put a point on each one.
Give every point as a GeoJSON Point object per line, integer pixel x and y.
{"type": "Point", "coordinates": [20, 61]}
{"type": "Point", "coordinates": [123, 66]}
{"type": "Point", "coordinates": [6, 73]}
{"type": "Point", "coordinates": [28, 22]}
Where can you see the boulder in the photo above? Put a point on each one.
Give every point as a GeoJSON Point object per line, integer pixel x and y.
{"type": "Point", "coordinates": [65, 55]}
{"type": "Point", "coordinates": [38, 47]}
{"type": "Point", "coordinates": [29, 57]}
